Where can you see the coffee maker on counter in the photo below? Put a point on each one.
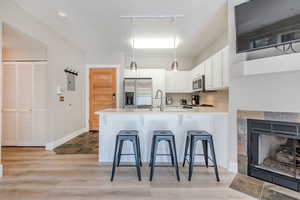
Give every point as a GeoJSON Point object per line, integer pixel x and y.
{"type": "Point", "coordinates": [195, 100]}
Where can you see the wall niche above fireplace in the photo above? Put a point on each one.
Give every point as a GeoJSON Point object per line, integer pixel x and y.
{"type": "Point", "coordinates": [274, 152]}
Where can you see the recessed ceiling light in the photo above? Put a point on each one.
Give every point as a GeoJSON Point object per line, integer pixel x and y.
{"type": "Point", "coordinates": [62, 14]}
{"type": "Point", "coordinates": [155, 43]}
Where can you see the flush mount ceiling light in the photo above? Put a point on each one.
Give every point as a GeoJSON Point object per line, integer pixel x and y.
{"type": "Point", "coordinates": [155, 43]}
{"type": "Point", "coordinates": [62, 14]}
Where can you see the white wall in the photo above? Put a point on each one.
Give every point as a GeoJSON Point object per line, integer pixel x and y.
{"type": "Point", "coordinates": [1, 31]}
{"type": "Point", "coordinates": [269, 92]}
{"type": "Point", "coordinates": [21, 54]}
{"type": "Point", "coordinates": [64, 117]}
{"type": "Point", "coordinates": [212, 49]}
{"type": "Point", "coordinates": [160, 61]}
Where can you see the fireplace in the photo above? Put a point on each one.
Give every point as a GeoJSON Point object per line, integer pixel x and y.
{"type": "Point", "coordinates": [274, 152]}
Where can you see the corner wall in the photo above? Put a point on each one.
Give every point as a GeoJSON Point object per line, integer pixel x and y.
{"type": "Point", "coordinates": [278, 92]}
{"type": "Point", "coordinates": [65, 117]}
{"type": "Point", "coordinates": [1, 34]}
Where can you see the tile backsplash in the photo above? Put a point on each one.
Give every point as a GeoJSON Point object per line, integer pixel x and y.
{"type": "Point", "coordinates": [178, 96]}
{"type": "Point", "coordinates": [219, 99]}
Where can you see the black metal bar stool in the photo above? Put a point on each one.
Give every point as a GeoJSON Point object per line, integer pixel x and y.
{"type": "Point", "coordinates": [132, 136]}
{"type": "Point", "coordinates": [191, 140]}
{"type": "Point", "coordinates": [168, 136]}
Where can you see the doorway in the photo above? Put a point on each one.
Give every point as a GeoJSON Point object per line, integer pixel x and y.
{"type": "Point", "coordinates": [102, 93]}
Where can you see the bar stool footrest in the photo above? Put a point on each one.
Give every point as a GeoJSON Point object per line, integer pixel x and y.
{"type": "Point", "coordinates": [164, 166]}
{"type": "Point", "coordinates": [127, 166]}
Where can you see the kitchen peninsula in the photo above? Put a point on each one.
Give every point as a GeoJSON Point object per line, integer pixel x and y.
{"type": "Point", "coordinates": [176, 120]}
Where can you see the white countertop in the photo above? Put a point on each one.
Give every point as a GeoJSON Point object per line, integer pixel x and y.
{"type": "Point", "coordinates": [198, 110]}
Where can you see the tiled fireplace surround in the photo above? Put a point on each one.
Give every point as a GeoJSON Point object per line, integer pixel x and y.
{"type": "Point", "coordinates": [251, 186]}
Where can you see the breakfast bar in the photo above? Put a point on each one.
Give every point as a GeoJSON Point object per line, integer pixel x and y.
{"type": "Point", "coordinates": [145, 121]}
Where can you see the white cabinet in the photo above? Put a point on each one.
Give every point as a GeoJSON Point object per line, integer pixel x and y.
{"type": "Point", "coordinates": [225, 67]}
{"type": "Point", "coordinates": [217, 76]}
{"type": "Point", "coordinates": [178, 82]}
{"type": "Point", "coordinates": [215, 69]}
{"type": "Point", "coordinates": [208, 72]}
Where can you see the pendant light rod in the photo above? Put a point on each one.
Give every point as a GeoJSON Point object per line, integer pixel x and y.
{"type": "Point", "coordinates": [142, 17]}
{"type": "Point", "coordinates": [133, 38]}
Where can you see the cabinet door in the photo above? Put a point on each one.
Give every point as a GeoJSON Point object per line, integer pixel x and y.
{"type": "Point", "coordinates": [208, 73]}
{"type": "Point", "coordinates": [170, 82]}
{"type": "Point", "coordinates": [217, 70]}
{"type": "Point", "coordinates": [131, 74]}
{"type": "Point", "coordinates": [9, 122]}
{"type": "Point", "coordinates": [178, 82]}
{"type": "Point", "coordinates": [184, 82]}
{"type": "Point", "coordinates": [225, 63]}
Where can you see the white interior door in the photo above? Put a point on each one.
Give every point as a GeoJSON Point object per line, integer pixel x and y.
{"type": "Point", "coordinates": [9, 133]}
{"type": "Point", "coordinates": [24, 104]}
{"type": "Point", "coordinates": [39, 106]}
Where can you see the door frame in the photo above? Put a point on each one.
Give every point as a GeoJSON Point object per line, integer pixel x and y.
{"type": "Point", "coordinates": [87, 87]}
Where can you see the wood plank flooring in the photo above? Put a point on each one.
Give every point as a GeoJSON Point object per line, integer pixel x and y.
{"type": "Point", "coordinates": [36, 174]}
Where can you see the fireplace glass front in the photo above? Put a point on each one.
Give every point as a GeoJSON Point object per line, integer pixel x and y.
{"type": "Point", "coordinates": [279, 154]}
{"type": "Point", "coordinates": [274, 152]}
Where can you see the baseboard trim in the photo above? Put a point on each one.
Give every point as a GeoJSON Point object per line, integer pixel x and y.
{"type": "Point", "coordinates": [52, 145]}
{"type": "Point", "coordinates": [233, 167]}
{"type": "Point", "coordinates": [1, 170]}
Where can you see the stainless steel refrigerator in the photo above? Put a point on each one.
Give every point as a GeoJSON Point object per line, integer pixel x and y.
{"type": "Point", "coordinates": [138, 93]}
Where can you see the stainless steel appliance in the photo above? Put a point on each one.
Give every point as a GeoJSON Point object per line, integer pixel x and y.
{"type": "Point", "coordinates": [169, 100]}
{"type": "Point", "coordinates": [199, 84]}
{"type": "Point", "coordinates": [195, 100]}
{"type": "Point", "coordinates": [138, 92]}
{"type": "Point", "coordinates": [183, 102]}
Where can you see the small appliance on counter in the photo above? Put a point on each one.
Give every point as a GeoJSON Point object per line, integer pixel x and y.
{"type": "Point", "coordinates": [169, 100]}
{"type": "Point", "coordinates": [183, 102]}
{"type": "Point", "coordinates": [195, 100]}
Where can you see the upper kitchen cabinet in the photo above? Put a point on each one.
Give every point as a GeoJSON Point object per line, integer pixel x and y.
{"type": "Point", "coordinates": [217, 70]}
{"type": "Point", "coordinates": [178, 82]}
{"type": "Point", "coordinates": [225, 67]}
{"type": "Point", "coordinates": [208, 72]}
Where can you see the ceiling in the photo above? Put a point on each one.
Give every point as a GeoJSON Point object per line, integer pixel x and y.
{"type": "Point", "coordinates": [257, 13]}
{"type": "Point", "coordinates": [95, 25]}
{"type": "Point", "coordinates": [15, 39]}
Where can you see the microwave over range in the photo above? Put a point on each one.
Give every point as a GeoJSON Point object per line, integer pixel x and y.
{"type": "Point", "coordinates": [199, 84]}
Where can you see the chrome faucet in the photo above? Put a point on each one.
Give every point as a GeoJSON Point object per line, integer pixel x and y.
{"type": "Point", "coordinates": [159, 94]}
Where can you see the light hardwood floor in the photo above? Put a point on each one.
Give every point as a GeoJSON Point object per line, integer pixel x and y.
{"type": "Point", "coordinates": [36, 174]}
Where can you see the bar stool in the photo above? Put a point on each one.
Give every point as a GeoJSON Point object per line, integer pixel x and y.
{"type": "Point", "coordinates": [168, 136]}
{"type": "Point", "coordinates": [191, 140]}
{"type": "Point", "coordinates": [132, 136]}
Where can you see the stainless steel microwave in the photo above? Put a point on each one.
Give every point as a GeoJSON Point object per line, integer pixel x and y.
{"type": "Point", "coordinates": [199, 84]}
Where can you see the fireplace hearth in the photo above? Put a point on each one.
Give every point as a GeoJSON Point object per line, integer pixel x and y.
{"type": "Point", "coordinates": [274, 152]}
